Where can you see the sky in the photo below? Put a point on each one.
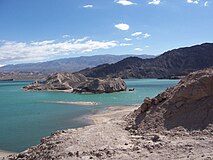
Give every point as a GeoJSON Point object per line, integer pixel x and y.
{"type": "Point", "coordinates": [42, 30]}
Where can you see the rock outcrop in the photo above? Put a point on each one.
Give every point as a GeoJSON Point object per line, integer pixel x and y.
{"type": "Point", "coordinates": [187, 105]}
{"type": "Point", "coordinates": [77, 83]}
{"type": "Point", "coordinates": [107, 85]}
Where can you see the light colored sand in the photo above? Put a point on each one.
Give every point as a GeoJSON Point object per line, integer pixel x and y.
{"type": "Point", "coordinates": [111, 114]}
{"type": "Point", "coordinates": [76, 103]}
{"type": "Point", "coordinates": [5, 153]}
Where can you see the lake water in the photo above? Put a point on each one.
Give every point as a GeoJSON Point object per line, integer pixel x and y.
{"type": "Point", "coordinates": [26, 117]}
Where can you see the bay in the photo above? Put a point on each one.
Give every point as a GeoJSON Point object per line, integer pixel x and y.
{"type": "Point", "coordinates": [26, 117]}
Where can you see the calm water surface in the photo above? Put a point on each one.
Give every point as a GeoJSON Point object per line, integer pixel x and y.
{"type": "Point", "coordinates": [26, 117]}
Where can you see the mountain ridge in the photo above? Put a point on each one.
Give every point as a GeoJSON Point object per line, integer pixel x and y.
{"type": "Point", "coordinates": [67, 64]}
{"type": "Point", "coordinates": [176, 62]}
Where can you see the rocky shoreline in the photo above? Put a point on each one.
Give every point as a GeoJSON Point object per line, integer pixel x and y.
{"type": "Point", "coordinates": [85, 142]}
{"type": "Point", "coordinates": [108, 139]}
{"type": "Point", "coordinates": [176, 124]}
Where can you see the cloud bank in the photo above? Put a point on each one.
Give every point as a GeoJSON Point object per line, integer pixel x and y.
{"type": "Point", "coordinates": [12, 51]}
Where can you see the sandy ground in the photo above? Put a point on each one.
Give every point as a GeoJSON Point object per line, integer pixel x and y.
{"type": "Point", "coordinates": [4, 154]}
{"type": "Point", "coordinates": [107, 139]}
{"type": "Point", "coordinates": [111, 114]}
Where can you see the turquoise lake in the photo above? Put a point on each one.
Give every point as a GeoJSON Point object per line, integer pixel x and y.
{"type": "Point", "coordinates": [26, 117]}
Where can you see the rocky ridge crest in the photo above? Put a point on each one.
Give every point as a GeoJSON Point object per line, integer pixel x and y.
{"type": "Point", "coordinates": [171, 64]}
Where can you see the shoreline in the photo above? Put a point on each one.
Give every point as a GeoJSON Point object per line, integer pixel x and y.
{"type": "Point", "coordinates": [107, 115]}
{"type": "Point", "coordinates": [107, 139]}
{"type": "Point", "coordinates": [104, 135]}
{"type": "Point", "coordinates": [112, 113]}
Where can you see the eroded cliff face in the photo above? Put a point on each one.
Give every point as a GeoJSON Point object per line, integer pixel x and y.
{"type": "Point", "coordinates": [107, 85]}
{"type": "Point", "coordinates": [77, 83]}
{"type": "Point", "coordinates": [189, 105]}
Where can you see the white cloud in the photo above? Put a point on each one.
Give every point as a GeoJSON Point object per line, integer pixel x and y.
{"type": "Point", "coordinates": [139, 35]}
{"type": "Point", "coordinates": [80, 40]}
{"type": "Point", "coordinates": [66, 36]}
{"type": "Point", "coordinates": [125, 44]}
{"type": "Point", "coordinates": [14, 52]}
{"type": "Point", "coordinates": [127, 39]}
{"type": "Point", "coordinates": [88, 6]}
{"type": "Point", "coordinates": [146, 35]}
{"type": "Point", "coordinates": [206, 4]}
{"type": "Point", "coordinates": [136, 34]}
{"type": "Point", "coordinates": [155, 2]}
{"type": "Point", "coordinates": [122, 26]}
{"type": "Point", "coordinates": [124, 2]}
{"type": "Point", "coordinates": [193, 1]}
{"type": "Point", "coordinates": [42, 42]}
{"type": "Point", "coordinates": [138, 49]}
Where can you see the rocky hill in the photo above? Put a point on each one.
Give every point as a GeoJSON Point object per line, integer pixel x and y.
{"type": "Point", "coordinates": [173, 63]}
{"type": "Point", "coordinates": [67, 64]}
{"type": "Point", "coordinates": [77, 83]}
{"type": "Point", "coordinates": [187, 105]}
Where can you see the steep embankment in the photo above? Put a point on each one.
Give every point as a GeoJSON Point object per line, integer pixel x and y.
{"type": "Point", "coordinates": [189, 105]}
{"type": "Point", "coordinates": [172, 63]}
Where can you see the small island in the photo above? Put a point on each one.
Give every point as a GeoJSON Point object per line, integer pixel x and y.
{"type": "Point", "coordinates": [77, 83]}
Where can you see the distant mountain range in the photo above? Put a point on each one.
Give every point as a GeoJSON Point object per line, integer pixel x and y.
{"type": "Point", "coordinates": [67, 64]}
{"type": "Point", "coordinates": [172, 63]}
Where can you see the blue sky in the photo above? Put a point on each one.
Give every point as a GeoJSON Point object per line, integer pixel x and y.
{"type": "Point", "coordinates": [41, 30]}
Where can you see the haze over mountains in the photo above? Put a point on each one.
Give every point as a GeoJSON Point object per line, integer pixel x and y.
{"type": "Point", "coordinates": [176, 62]}
{"type": "Point", "coordinates": [68, 64]}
